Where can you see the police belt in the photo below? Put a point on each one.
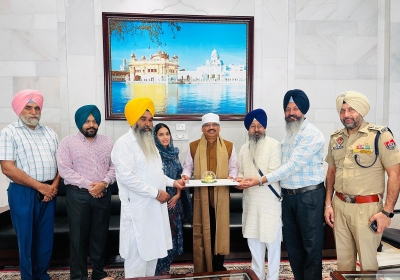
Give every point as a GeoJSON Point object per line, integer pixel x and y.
{"type": "Point", "coordinates": [305, 189]}
{"type": "Point", "coordinates": [358, 199]}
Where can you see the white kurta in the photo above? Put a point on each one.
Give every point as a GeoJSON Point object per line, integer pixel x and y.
{"type": "Point", "coordinates": [261, 208]}
{"type": "Point", "coordinates": [142, 216]}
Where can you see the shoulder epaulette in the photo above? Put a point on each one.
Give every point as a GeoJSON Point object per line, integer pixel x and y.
{"type": "Point", "coordinates": [336, 132]}
{"type": "Point", "coordinates": [381, 129]}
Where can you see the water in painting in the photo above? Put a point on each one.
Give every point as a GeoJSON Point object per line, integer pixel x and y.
{"type": "Point", "coordinates": [183, 99]}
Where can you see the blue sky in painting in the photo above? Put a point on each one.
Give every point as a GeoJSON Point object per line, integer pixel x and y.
{"type": "Point", "coordinates": [193, 44]}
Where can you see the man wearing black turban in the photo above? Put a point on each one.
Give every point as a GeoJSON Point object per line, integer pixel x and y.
{"type": "Point", "coordinates": [301, 177]}
{"type": "Point", "coordinates": [298, 97]}
{"type": "Point", "coordinates": [84, 162]}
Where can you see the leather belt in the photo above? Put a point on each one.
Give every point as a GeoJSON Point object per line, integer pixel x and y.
{"type": "Point", "coordinates": [39, 195]}
{"type": "Point", "coordinates": [78, 188]}
{"type": "Point", "coordinates": [49, 182]}
{"type": "Point", "coordinates": [305, 189]}
{"type": "Point", "coordinates": [358, 198]}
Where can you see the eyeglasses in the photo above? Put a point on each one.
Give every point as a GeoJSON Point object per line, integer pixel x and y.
{"type": "Point", "coordinates": [210, 124]}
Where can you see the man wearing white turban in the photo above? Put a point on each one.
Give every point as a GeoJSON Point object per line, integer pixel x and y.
{"type": "Point", "coordinates": [145, 233]}
{"type": "Point", "coordinates": [358, 156]}
{"type": "Point", "coordinates": [211, 204]}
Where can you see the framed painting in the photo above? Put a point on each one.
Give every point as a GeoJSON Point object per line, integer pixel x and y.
{"type": "Point", "coordinates": [188, 65]}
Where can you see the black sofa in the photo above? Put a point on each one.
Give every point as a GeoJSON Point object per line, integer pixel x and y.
{"type": "Point", "coordinates": [239, 248]}
{"type": "Point", "coordinates": [9, 245]}
{"type": "Point", "coordinates": [8, 240]}
{"type": "Point", "coordinates": [392, 235]}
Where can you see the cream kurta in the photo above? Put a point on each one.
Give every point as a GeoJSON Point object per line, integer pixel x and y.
{"type": "Point", "coordinates": [142, 216]}
{"type": "Point", "coordinates": [261, 208]}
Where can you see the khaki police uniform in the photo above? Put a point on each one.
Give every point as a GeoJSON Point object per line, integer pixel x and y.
{"type": "Point", "coordinates": [351, 230]}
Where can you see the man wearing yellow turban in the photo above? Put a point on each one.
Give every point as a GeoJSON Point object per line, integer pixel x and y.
{"type": "Point", "coordinates": [135, 108]}
{"type": "Point", "coordinates": [28, 159]}
{"type": "Point", "coordinates": [358, 156]}
{"type": "Point", "coordinates": [145, 233]}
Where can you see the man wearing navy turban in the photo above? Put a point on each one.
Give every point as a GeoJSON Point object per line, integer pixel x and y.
{"type": "Point", "coordinates": [298, 97]}
{"type": "Point", "coordinates": [257, 114]}
{"type": "Point", "coordinates": [84, 161]}
{"type": "Point", "coordinates": [301, 177]}
{"type": "Point", "coordinates": [262, 224]}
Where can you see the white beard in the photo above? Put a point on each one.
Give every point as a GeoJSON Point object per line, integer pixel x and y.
{"type": "Point", "coordinates": [292, 128]}
{"type": "Point", "coordinates": [146, 143]}
{"type": "Point", "coordinates": [30, 121]}
{"type": "Point", "coordinates": [254, 144]}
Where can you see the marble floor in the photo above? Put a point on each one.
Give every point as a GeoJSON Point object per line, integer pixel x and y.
{"type": "Point", "coordinates": [389, 257]}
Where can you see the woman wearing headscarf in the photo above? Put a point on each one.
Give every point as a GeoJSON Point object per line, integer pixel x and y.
{"type": "Point", "coordinates": [179, 205]}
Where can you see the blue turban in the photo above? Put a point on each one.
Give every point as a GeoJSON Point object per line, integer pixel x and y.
{"type": "Point", "coordinates": [83, 113]}
{"type": "Point", "coordinates": [259, 115]}
{"type": "Point", "coordinates": [299, 98]}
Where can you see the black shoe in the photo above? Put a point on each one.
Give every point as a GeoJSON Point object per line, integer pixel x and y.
{"type": "Point", "coordinates": [218, 263]}
{"type": "Point", "coordinates": [380, 247]}
{"type": "Point", "coordinates": [219, 268]}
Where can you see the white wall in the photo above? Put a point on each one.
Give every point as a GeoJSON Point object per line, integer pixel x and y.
{"type": "Point", "coordinates": [322, 47]}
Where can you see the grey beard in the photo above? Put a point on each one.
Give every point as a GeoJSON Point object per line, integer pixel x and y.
{"type": "Point", "coordinates": [146, 143]}
{"type": "Point", "coordinates": [293, 127]}
{"type": "Point", "coordinates": [32, 122]}
{"type": "Point", "coordinates": [355, 124]}
{"type": "Point", "coordinates": [253, 143]}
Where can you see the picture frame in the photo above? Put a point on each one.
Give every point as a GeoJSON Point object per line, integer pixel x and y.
{"type": "Point", "coordinates": [188, 65]}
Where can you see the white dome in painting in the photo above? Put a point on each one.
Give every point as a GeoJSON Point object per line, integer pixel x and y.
{"type": "Point", "coordinates": [214, 55]}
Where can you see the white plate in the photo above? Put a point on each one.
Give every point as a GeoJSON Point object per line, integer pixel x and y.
{"type": "Point", "coordinates": [220, 182]}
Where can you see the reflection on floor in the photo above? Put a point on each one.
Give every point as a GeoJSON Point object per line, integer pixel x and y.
{"type": "Point", "coordinates": [389, 257]}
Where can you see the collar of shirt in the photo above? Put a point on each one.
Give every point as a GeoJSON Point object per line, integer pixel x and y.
{"type": "Point", "coordinates": [287, 139]}
{"type": "Point", "coordinates": [304, 124]}
{"type": "Point", "coordinates": [83, 138]}
{"type": "Point", "coordinates": [363, 129]}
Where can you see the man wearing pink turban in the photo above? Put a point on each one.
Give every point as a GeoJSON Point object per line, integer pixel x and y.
{"type": "Point", "coordinates": [28, 159]}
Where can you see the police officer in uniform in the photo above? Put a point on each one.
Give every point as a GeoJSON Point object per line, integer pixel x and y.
{"type": "Point", "coordinates": [358, 156]}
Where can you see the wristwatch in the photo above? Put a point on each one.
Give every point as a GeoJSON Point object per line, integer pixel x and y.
{"type": "Point", "coordinates": [105, 184]}
{"type": "Point", "coordinates": [387, 214]}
